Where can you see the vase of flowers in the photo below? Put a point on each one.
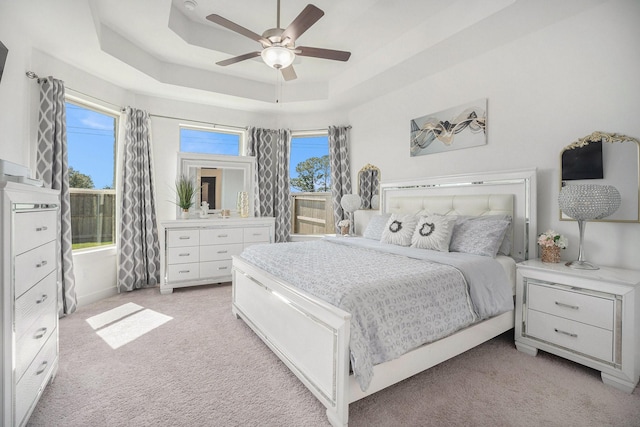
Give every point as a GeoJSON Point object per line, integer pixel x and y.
{"type": "Point", "coordinates": [344, 227]}
{"type": "Point", "coordinates": [550, 244]}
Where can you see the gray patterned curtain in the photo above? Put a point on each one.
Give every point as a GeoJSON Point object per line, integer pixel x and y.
{"type": "Point", "coordinates": [340, 169]}
{"type": "Point", "coordinates": [368, 186]}
{"type": "Point", "coordinates": [139, 249]}
{"type": "Point", "coordinates": [271, 149]}
{"type": "Point", "coordinates": [53, 168]}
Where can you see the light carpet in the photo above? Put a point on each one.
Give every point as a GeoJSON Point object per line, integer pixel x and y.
{"type": "Point", "coordinates": [204, 367]}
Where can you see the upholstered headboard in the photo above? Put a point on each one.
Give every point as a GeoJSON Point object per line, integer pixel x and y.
{"type": "Point", "coordinates": [510, 193]}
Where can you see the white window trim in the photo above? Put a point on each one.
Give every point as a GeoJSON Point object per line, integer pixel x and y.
{"type": "Point", "coordinates": [242, 133]}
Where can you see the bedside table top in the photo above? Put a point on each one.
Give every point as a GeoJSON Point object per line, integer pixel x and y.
{"type": "Point", "coordinates": [608, 274]}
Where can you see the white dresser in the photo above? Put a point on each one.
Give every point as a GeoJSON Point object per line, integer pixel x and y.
{"type": "Point", "coordinates": [588, 316]}
{"type": "Point", "coordinates": [199, 251]}
{"type": "Point", "coordinates": [29, 297]}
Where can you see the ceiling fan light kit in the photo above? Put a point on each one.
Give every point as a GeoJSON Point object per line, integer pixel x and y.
{"type": "Point", "coordinates": [278, 45]}
{"type": "Point", "coordinates": [277, 57]}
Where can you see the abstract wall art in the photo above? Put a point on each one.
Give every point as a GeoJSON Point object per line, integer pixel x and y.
{"type": "Point", "coordinates": [459, 127]}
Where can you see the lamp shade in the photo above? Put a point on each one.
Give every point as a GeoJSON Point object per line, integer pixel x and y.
{"type": "Point", "coordinates": [589, 201]}
{"type": "Point", "coordinates": [351, 202]}
{"type": "Point", "coordinates": [277, 57]}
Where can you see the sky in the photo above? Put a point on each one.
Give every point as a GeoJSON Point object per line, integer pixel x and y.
{"type": "Point", "coordinates": [90, 144]}
{"type": "Point", "coordinates": [91, 137]}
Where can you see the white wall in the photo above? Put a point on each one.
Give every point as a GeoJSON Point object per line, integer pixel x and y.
{"type": "Point", "coordinates": [544, 91]}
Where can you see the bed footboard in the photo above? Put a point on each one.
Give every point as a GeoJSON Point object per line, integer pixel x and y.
{"type": "Point", "coordinates": [310, 336]}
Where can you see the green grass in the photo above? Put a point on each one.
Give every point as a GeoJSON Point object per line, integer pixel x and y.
{"type": "Point", "coordinates": [89, 245]}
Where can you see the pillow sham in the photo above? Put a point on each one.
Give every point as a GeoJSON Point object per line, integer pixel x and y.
{"type": "Point", "coordinates": [399, 229]}
{"type": "Point", "coordinates": [376, 226]}
{"type": "Point", "coordinates": [505, 245]}
{"type": "Point", "coordinates": [433, 232]}
{"type": "Point", "coordinates": [482, 237]}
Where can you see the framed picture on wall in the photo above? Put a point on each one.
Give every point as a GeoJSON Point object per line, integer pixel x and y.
{"type": "Point", "coordinates": [459, 127]}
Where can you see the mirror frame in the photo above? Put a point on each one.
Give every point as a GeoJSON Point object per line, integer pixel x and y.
{"type": "Point", "coordinates": [189, 162]}
{"type": "Point", "coordinates": [605, 138]}
{"type": "Point", "coordinates": [366, 168]}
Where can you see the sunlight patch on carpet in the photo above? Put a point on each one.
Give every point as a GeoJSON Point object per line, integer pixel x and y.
{"type": "Point", "coordinates": [103, 319]}
{"type": "Point", "coordinates": [126, 323]}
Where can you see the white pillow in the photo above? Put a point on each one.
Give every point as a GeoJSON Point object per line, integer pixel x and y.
{"type": "Point", "coordinates": [376, 226]}
{"type": "Point", "coordinates": [505, 245]}
{"type": "Point", "coordinates": [399, 229]}
{"type": "Point", "coordinates": [433, 232]}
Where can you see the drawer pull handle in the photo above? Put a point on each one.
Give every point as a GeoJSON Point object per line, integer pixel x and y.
{"type": "Point", "coordinates": [43, 228]}
{"type": "Point", "coordinates": [184, 237]}
{"type": "Point", "coordinates": [40, 333]}
{"type": "Point", "coordinates": [257, 234]}
{"type": "Point", "coordinates": [187, 254]}
{"type": "Point", "coordinates": [572, 335]}
{"type": "Point", "coordinates": [222, 268]}
{"type": "Point", "coordinates": [42, 299]}
{"type": "Point", "coordinates": [573, 307]}
{"type": "Point", "coordinates": [184, 271]}
{"type": "Point", "coordinates": [42, 264]}
{"type": "Point", "coordinates": [43, 367]}
{"type": "Point", "coordinates": [223, 235]}
{"type": "Point", "coordinates": [222, 252]}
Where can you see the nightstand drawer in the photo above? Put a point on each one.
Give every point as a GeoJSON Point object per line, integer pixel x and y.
{"type": "Point", "coordinates": [576, 336]}
{"type": "Point", "coordinates": [589, 309]}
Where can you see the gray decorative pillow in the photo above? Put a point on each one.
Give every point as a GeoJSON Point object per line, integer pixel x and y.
{"type": "Point", "coordinates": [376, 226]}
{"type": "Point", "coordinates": [433, 232]}
{"type": "Point", "coordinates": [478, 237]}
{"type": "Point", "coordinates": [505, 245]}
{"type": "Point", "coordinates": [399, 229]}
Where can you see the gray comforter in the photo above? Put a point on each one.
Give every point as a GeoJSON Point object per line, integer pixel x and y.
{"type": "Point", "coordinates": [399, 298]}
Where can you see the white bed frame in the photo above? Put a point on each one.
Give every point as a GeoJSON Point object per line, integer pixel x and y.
{"type": "Point", "coordinates": [312, 337]}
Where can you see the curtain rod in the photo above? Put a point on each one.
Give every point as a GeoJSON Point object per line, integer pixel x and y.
{"type": "Point", "coordinates": [215, 125]}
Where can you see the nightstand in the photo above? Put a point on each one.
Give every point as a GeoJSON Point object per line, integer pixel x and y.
{"type": "Point", "coordinates": [588, 316]}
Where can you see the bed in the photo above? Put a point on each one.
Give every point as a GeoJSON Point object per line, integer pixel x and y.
{"type": "Point", "coordinates": [313, 337]}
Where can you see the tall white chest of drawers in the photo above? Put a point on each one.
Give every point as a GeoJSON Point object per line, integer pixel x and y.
{"type": "Point", "coordinates": [200, 251]}
{"type": "Point", "coordinates": [29, 270]}
{"type": "Point", "coordinates": [589, 316]}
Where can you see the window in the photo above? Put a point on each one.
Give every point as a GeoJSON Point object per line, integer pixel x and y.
{"type": "Point", "coordinates": [210, 141]}
{"type": "Point", "coordinates": [310, 184]}
{"type": "Point", "coordinates": [91, 149]}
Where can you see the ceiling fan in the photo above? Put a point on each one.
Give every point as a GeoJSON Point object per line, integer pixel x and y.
{"type": "Point", "coordinates": [278, 45]}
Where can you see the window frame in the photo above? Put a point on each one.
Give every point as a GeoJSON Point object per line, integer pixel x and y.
{"type": "Point", "coordinates": [242, 133]}
{"type": "Point", "coordinates": [116, 115]}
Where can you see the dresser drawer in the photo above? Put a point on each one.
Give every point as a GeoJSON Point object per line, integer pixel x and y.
{"type": "Point", "coordinates": [33, 266]}
{"type": "Point", "coordinates": [36, 228]}
{"type": "Point", "coordinates": [178, 272]}
{"type": "Point", "coordinates": [183, 255]}
{"type": "Point", "coordinates": [34, 302]}
{"type": "Point", "coordinates": [34, 378]}
{"type": "Point", "coordinates": [220, 236]}
{"type": "Point", "coordinates": [589, 309]}
{"type": "Point", "coordinates": [180, 238]}
{"type": "Point", "coordinates": [257, 234]}
{"type": "Point", "coordinates": [220, 252]}
{"type": "Point", "coordinates": [33, 339]}
{"type": "Point", "coordinates": [215, 269]}
{"type": "Point", "coordinates": [586, 339]}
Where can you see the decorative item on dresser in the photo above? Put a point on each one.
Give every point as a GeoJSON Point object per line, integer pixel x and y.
{"type": "Point", "coordinates": [199, 251]}
{"type": "Point", "coordinates": [588, 316]}
{"type": "Point", "coordinates": [586, 202]}
{"type": "Point", "coordinates": [29, 297]}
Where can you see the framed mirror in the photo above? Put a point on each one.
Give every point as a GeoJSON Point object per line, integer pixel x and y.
{"type": "Point", "coordinates": [608, 159]}
{"type": "Point", "coordinates": [369, 187]}
{"type": "Point", "coordinates": [220, 179]}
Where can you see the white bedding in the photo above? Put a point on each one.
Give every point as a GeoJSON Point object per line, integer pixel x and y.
{"type": "Point", "coordinates": [397, 302]}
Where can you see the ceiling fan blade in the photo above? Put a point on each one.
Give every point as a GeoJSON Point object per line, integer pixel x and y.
{"type": "Point", "coordinates": [289, 73]}
{"type": "Point", "coordinates": [238, 58]}
{"type": "Point", "coordinates": [317, 52]}
{"type": "Point", "coordinates": [303, 21]}
{"type": "Point", "coordinates": [217, 19]}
